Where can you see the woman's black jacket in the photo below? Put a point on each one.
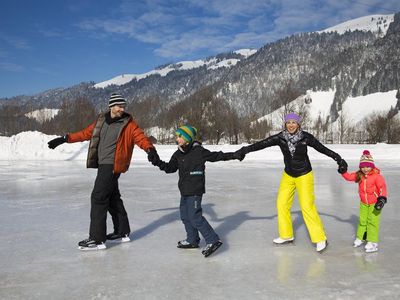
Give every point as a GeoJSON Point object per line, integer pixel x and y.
{"type": "Point", "coordinates": [299, 164]}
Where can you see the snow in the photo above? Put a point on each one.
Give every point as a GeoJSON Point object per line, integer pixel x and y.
{"type": "Point", "coordinates": [368, 23]}
{"type": "Point", "coordinates": [32, 145]}
{"type": "Point", "coordinates": [359, 107]}
{"type": "Point", "coordinates": [355, 109]}
{"type": "Point", "coordinates": [246, 52]}
{"type": "Point", "coordinates": [43, 114]}
{"type": "Point", "coordinates": [45, 200]}
{"type": "Point", "coordinates": [183, 65]}
{"type": "Point", "coordinates": [224, 63]}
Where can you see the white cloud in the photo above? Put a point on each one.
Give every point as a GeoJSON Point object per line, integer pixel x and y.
{"type": "Point", "coordinates": [10, 67]}
{"type": "Point", "coordinates": [179, 28]}
{"type": "Point", "coordinates": [15, 42]}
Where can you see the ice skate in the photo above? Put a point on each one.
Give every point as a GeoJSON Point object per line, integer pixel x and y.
{"type": "Point", "coordinates": [281, 241]}
{"type": "Point", "coordinates": [184, 244]}
{"type": "Point", "coordinates": [90, 244]}
{"type": "Point", "coordinates": [371, 247]}
{"type": "Point", "coordinates": [321, 246]}
{"type": "Point", "coordinates": [357, 243]}
{"type": "Point", "coordinates": [211, 248]}
{"type": "Point", "coordinates": [114, 237]}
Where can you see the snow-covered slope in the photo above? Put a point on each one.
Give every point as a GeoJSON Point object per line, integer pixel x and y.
{"type": "Point", "coordinates": [213, 63]}
{"type": "Point", "coordinates": [355, 109]}
{"type": "Point", "coordinates": [43, 114]}
{"type": "Point", "coordinates": [374, 23]}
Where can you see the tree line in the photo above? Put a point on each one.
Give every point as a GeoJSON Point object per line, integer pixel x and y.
{"type": "Point", "coordinates": [214, 116]}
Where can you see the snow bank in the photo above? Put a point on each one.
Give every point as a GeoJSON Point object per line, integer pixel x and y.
{"type": "Point", "coordinates": [33, 146]}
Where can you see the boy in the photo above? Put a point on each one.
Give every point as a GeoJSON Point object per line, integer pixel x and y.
{"type": "Point", "coordinates": [190, 160]}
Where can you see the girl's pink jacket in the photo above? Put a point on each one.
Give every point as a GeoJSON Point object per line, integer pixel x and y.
{"type": "Point", "coordinates": [370, 187]}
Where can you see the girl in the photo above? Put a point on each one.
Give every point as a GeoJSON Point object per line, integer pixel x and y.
{"type": "Point", "coordinates": [373, 196]}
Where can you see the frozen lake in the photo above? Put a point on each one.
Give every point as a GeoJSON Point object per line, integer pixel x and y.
{"type": "Point", "coordinates": [45, 212]}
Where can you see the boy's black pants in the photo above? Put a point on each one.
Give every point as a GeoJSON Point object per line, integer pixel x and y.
{"type": "Point", "coordinates": [106, 197]}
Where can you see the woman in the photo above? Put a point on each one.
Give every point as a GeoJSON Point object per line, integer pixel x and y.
{"type": "Point", "coordinates": [298, 176]}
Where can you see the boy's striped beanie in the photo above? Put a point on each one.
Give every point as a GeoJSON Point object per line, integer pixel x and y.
{"type": "Point", "coordinates": [187, 132]}
{"type": "Point", "coordinates": [116, 99]}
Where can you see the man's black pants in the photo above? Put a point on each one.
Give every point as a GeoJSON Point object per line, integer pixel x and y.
{"type": "Point", "coordinates": [106, 197]}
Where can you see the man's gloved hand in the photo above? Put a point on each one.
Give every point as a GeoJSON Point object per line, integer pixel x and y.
{"type": "Point", "coordinates": [380, 203]}
{"type": "Point", "coordinates": [152, 156]}
{"type": "Point", "coordinates": [57, 142]}
{"type": "Point", "coordinates": [239, 154]}
{"type": "Point", "coordinates": [342, 166]}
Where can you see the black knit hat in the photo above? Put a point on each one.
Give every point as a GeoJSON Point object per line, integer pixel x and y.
{"type": "Point", "coordinates": [116, 99]}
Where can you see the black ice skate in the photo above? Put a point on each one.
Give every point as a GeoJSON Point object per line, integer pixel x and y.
{"type": "Point", "coordinates": [211, 248]}
{"type": "Point", "coordinates": [115, 237]}
{"type": "Point", "coordinates": [186, 245]}
{"type": "Point", "coordinates": [90, 244]}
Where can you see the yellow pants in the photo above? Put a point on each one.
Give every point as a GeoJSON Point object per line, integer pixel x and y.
{"type": "Point", "coordinates": [305, 191]}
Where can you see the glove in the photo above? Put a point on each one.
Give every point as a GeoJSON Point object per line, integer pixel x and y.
{"type": "Point", "coordinates": [239, 154]}
{"type": "Point", "coordinates": [57, 142]}
{"type": "Point", "coordinates": [380, 203]}
{"type": "Point", "coordinates": [152, 156]}
{"type": "Point", "coordinates": [342, 166]}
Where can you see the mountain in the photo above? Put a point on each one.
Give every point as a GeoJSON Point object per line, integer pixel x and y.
{"type": "Point", "coordinates": [212, 63]}
{"type": "Point", "coordinates": [355, 58]}
{"type": "Point", "coordinates": [377, 24]}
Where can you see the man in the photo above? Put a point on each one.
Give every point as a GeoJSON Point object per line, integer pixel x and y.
{"type": "Point", "coordinates": [112, 138]}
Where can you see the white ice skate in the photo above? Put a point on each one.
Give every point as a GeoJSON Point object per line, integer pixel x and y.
{"type": "Point", "coordinates": [321, 246]}
{"type": "Point", "coordinates": [371, 247]}
{"type": "Point", "coordinates": [281, 241]}
{"type": "Point", "coordinates": [357, 243]}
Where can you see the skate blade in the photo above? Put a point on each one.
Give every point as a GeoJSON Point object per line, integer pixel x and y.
{"type": "Point", "coordinates": [371, 251]}
{"type": "Point", "coordinates": [101, 247]}
{"type": "Point", "coordinates": [121, 240]}
{"type": "Point", "coordinates": [287, 243]}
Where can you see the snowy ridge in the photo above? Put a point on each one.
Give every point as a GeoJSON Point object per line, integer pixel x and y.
{"type": "Point", "coordinates": [374, 23]}
{"type": "Point", "coordinates": [213, 63]}
{"type": "Point", "coordinates": [245, 52]}
{"type": "Point", "coordinates": [32, 145]}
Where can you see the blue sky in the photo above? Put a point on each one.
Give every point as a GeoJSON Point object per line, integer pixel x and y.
{"type": "Point", "coordinates": [48, 44]}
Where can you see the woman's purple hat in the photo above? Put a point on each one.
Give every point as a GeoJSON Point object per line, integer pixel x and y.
{"type": "Point", "coordinates": [294, 117]}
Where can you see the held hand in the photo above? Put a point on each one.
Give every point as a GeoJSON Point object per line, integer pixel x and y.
{"type": "Point", "coordinates": [152, 156]}
{"type": "Point", "coordinates": [57, 142]}
{"type": "Point", "coordinates": [380, 203]}
{"type": "Point", "coordinates": [342, 166]}
{"type": "Point", "coordinates": [239, 154]}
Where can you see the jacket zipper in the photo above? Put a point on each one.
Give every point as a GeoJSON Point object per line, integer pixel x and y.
{"type": "Point", "coordinates": [125, 123]}
{"type": "Point", "coordinates": [365, 189]}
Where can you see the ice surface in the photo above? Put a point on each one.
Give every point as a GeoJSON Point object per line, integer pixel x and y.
{"type": "Point", "coordinates": [45, 212]}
